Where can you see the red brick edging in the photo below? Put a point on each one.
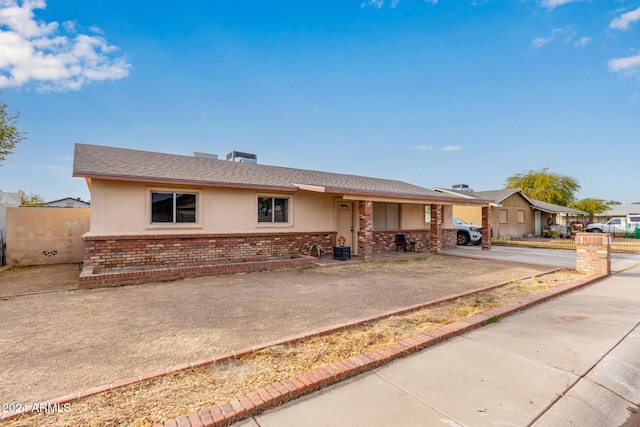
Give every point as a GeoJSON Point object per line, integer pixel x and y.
{"type": "Point", "coordinates": [257, 401]}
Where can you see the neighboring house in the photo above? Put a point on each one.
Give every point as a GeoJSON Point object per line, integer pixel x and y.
{"type": "Point", "coordinates": [617, 211]}
{"type": "Point", "coordinates": [68, 202]}
{"type": "Point", "coordinates": [7, 200]}
{"type": "Point", "coordinates": [162, 210]}
{"type": "Point", "coordinates": [513, 214]}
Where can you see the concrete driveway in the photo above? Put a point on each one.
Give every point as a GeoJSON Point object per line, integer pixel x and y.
{"type": "Point", "coordinates": [550, 257]}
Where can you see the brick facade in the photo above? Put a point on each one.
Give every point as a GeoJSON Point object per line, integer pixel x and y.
{"type": "Point", "coordinates": [385, 240]}
{"type": "Point", "coordinates": [113, 253]}
{"type": "Point", "coordinates": [593, 253]}
{"type": "Point", "coordinates": [132, 259]}
{"type": "Point", "coordinates": [436, 229]}
{"type": "Point", "coordinates": [486, 228]}
{"type": "Point", "coordinates": [365, 233]}
{"type": "Point", "coordinates": [449, 237]}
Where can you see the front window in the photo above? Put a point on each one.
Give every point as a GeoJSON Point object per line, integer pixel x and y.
{"type": "Point", "coordinates": [386, 216]}
{"type": "Point", "coordinates": [273, 209]}
{"type": "Point", "coordinates": [173, 207]}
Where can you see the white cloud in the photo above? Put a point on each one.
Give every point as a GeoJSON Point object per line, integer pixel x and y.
{"type": "Point", "coordinates": [424, 147]}
{"type": "Point", "coordinates": [32, 51]}
{"type": "Point", "coordinates": [552, 4]}
{"type": "Point", "coordinates": [624, 21]}
{"type": "Point", "coordinates": [539, 42]}
{"type": "Point", "coordinates": [582, 42]}
{"type": "Point", "coordinates": [377, 4]}
{"type": "Point", "coordinates": [452, 148]}
{"type": "Point", "coordinates": [629, 66]}
{"type": "Point", "coordinates": [565, 35]}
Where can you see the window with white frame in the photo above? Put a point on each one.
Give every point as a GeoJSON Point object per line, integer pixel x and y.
{"type": "Point", "coordinates": [427, 214]}
{"type": "Point", "coordinates": [273, 209]}
{"type": "Point", "coordinates": [172, 207]}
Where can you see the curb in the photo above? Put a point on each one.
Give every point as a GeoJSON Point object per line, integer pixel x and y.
{"type": "Point", "coordinates": [272, 395]}
{"type": "Point", "coordinates": [435, 335]}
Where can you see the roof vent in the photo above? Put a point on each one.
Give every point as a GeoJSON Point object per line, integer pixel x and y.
{"type": "Point", "coordinates": [461, 187]}
{"type": "Point", "coordinates": [206, 155]}
{"type": "Point", "coordinates": [237, 156]}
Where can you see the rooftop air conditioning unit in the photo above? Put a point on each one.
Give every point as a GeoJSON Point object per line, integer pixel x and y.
{"type": "Point", "coordinates": [237, 156]}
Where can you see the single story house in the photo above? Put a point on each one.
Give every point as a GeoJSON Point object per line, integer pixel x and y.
{"type": "Point", "coordinates": [67, 202]}
{"type": "Point", "coordinates": [156, 210]}
{"type": "Point", "coordinates": [514, 215]}
{"type": "Point", "coordinates": [617, 211]}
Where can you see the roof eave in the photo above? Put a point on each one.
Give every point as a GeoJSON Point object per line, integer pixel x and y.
{"type": "Point", "coordinates": [185, 182]}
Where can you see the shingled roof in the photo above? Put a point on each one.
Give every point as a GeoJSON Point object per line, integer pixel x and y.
{"type": "Point", "coordinates": [100, 162]}
{"type": "Point", "coordinates": [498, 196]}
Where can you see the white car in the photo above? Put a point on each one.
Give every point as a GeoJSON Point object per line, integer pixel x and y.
{"type": "Point", "coordinates": [467, 232]}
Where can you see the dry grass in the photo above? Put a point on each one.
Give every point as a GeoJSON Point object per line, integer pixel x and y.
{"type": "Point", "coordinates": [192, 390]}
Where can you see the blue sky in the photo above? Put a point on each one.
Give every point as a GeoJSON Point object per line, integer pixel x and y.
{"type": "Point", "coordinates": [435, 93]}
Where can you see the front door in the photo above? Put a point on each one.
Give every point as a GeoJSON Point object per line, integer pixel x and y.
{"type": "Point", "coordinates": [345, 223]}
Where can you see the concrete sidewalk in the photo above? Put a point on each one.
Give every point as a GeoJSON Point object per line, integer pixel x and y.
{"type": "Point", "coordinates": [574, 361]}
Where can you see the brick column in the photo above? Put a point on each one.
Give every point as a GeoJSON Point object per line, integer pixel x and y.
{"type": "Point", "coordinates": [365, 233]}
{"type": "Point", "coordinates": [486, 228]}
{"type": "Point", "coordinates": [593, 253]}
{"type": "Point", "coordinates": [436, 229]}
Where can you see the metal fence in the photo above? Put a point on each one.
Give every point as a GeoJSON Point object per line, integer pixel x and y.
{"type": "Point", "coordinates": [618, 245]}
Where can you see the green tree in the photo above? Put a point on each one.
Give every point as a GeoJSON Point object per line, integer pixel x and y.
{"type": "Point", "coordinates": [9, 133]}
{"type": "Point", "coordinates": [545, 186]}
{"type": "Point", "coordinates": [30, 199]}
{"type": "Point", "coordinates": [612, 202]}
{"type": "Point", "coordinates": [591, 206]}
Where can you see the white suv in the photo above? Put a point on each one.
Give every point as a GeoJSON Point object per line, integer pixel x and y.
{"type": "Point", "coordinates": [467, 232]}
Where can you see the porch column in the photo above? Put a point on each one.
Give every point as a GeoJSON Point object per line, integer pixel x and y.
{"type": "Point", "coordinates": [365, 233]}
{"type": "Point", "coordinates": [436, 229]}
{"type": "Point", "coordinates": [486, 228]}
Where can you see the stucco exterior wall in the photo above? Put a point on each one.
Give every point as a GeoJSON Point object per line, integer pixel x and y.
{"type": "Point", "coordinates": [412, 217]}
{"type": "Point", "coordinates": [120, 208]}
{"type": "Point", "coordinates": [123, 208]}
{"type": "Point", "coordinates": [39, 235]}
{"type": "Point", "coordinates": [469, 214]}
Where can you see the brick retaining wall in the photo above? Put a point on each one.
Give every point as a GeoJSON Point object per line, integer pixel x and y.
{"type": "Point", "coordinates": [89, 279]}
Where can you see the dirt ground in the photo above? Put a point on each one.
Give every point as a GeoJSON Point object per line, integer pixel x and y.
{"type": "Point", "coordinates": [55, 342]}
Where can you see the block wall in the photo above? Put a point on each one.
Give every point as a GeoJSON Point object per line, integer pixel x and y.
{"type": "Point", "coordinates": [42, 235]}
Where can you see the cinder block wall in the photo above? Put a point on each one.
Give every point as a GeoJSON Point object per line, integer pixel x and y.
{"type": "Point", "coordinates": [593, 253]}
{"type": "Point", "coordinates": [42, 235]}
